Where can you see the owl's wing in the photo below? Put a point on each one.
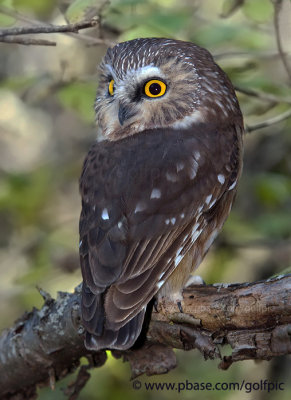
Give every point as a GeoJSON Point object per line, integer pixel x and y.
{"type": "Point", "coordinates": [142, 199]}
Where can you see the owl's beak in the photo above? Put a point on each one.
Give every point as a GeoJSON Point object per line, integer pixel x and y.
{"type": "Point", "coordinates": [125, 112]}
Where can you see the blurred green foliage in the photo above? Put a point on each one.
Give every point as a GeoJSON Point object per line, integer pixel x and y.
{"type": "Point", "coordinates": [47, 125]}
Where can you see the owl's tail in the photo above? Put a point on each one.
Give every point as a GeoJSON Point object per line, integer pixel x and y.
{"type": "Point", "coordinates": [97, 335]}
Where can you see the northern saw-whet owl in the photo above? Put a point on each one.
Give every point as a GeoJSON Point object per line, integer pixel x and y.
{"type": "Point", "coordinates": [157, 185]}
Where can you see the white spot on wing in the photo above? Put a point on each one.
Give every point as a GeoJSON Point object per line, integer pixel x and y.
{"type": "Point", "coordinates": [159, 284]}
{"type": "Point", "coordinates": [180, 166]}
{"type": "Point", "coordinates": [171, 177]}
{"type": "Point", "coordinates": [197, 155]}
{"type": "Point", "coordinates": [194, 168]}
{"type": "Point", "coordinates": [140, 207]}
{"type": "Point", "coordinates": [156, 194]}
{"type": "Point", "coordinates": [105, 215]}
{"type": "Point", "coordinates": [233, 185]}
{"type": "Point", "coordinates": [208, 198]}
{"type": "Point", "coordinates": [80, 243]}
{"type": "Point", "coordinates": [195, 232]}
{"type": "Point", "coordinates": [119, 224]}
{"type": "Point", "coordinates": [162, 274]}
{"type": "Point", "coordinates": [221, 178]}
{"type": "Point", "coordinates": [179, 250]}
{"type": "Point", "coordinates": [212, 203]}
{"type": "Point", "coordinates": [173, 221]}
{"type": "Point", "coordinates": [167, 221]}
{"type": "Point", "coordinates": [182, 215]}
{"type": "Point", "coordinates": [177, 260]}
{"type": "Point", "coordinates": [210, 239]}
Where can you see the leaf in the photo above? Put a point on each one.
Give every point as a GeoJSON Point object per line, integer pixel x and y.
{"type": "Point", "coordinates": [272, 190]}
{"type": "Point", "coordinates": [6, 20]}
{"type": "Point", "coordinates": [81, 10]}
{"type": "Point", "coordinates": [40, 8]}
{"type": "Point", "coordinates": [229, 7]}
{"type": "Point", "coordinates": [79, 97]}
{"type": "Point", "coordinates": [258, 10]}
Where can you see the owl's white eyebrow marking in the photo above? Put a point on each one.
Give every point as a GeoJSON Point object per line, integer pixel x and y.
{"type": "Point", "coordinates": [105, 214]}
{"type": "Point", "coordinates": [208, 198]}
{"type": "Point", "coordinates": [171, 177]}
{"type": "Point", "coordinates": [233, 185]}
{"type": "Point", "coordinates": [111, 71]}
{"type": "Point", "coordinates": [140, 207]}
{"type": "Point", "coordinates": [221, 178]}
{"type": "Point", "coordinates": [142, 73]}
{"type": "Point", "coordinates": [156, 194]}
{"type": "Point", "coordinates": [187, 121]}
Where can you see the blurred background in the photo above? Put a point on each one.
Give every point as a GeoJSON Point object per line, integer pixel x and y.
{"type": "Point", "coordinates": [47, 126]}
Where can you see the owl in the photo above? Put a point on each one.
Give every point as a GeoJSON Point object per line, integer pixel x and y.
{"type": "Point", "coordinates": [158, 183]}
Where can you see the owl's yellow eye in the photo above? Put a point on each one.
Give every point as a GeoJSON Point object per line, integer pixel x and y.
{"type": "Point", "coordinates": [155, 88]}
{"type": "Point", "coordinates": [111, 87]}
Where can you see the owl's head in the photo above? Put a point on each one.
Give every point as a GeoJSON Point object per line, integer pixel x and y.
{"type": "Point", "coordinates": [153, 83]}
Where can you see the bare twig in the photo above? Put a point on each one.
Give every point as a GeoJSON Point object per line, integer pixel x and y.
{"type": "Point", "coordinates": [23, 18]}
{"type": "Point", "coordinates": [26, 41]}
{"type": "Point", "coordinates": [277, 9]}
{"type": "Point", "coordinates": [48, 28]}
{"type": "Point", "coordinates": [257, 55]}
{"type": "Point", "coordinates": [263, 96]}
{"type": "Point", "coordinates": [45, 345]}
{"type": "Point", "coordinates": [268, 122]}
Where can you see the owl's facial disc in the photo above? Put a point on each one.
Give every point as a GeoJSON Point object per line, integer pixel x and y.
{"type": "Point", "coordinates": [133, 90]}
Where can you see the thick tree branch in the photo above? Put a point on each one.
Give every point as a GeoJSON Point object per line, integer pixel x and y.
{"type": "Point", "coordinates": [45, 345]}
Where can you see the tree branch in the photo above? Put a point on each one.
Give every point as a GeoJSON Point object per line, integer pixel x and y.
{"type": "Point", "coordinates": [277, 10]}
{"type": "Point", "coordinates": [9, 35]}
{"type": "Point", "coordinates": [26, 41]}
{"type": "Point", "coordinates": [45, 345]}
{"type": "Point", "coordinates": [268, 122]}
{"type": "Point", "coordinates": [271, 98]}
{"type": "Point", "coordinates": [36, 24]}
{"type": "Point", "coordinates": [24, 30]}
